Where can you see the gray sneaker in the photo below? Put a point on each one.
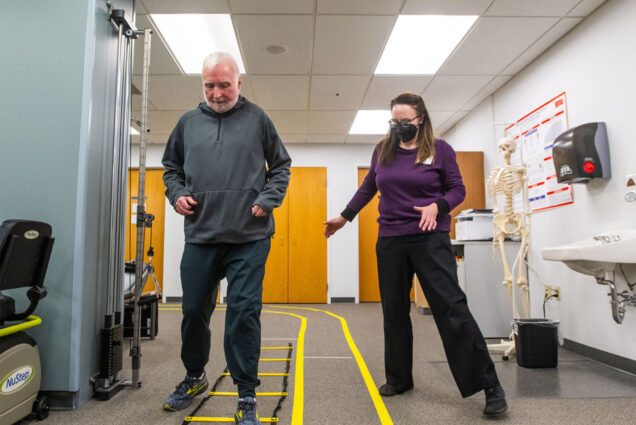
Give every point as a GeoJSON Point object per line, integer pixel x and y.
{"type": "Point", "coordinates": [187, 389]}
{"type": "Point", "coordinates": [246, 412]}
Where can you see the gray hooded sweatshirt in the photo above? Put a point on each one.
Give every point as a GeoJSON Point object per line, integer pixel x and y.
{"type": "Point", "coordinates": [228, 163]}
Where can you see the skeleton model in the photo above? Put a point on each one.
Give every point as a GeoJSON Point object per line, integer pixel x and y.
{"type": "Point", "coordinates": [509, 180]}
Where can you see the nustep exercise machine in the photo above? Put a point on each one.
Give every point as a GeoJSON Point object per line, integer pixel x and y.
{"type": "Point", "coordinates": [25, 249]}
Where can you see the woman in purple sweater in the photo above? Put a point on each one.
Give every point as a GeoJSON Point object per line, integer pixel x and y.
{"type": "Point", "coordinates": [420, 183]}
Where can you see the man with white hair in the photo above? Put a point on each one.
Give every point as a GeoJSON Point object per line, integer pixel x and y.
{"type": "Point", "coordinates": [226, 171]}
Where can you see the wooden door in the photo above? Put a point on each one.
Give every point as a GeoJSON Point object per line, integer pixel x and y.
{"type": "Point", "coordinates": [471, 166]}
{"type": "Point", "coordinates": [275, 283]}
{"type": "Point", "coordinates": [155, 205]}
{"type": "Point", "coordinates": [367, 237]}
{"type": "Point", "coordinates": [307, 195]}
{"type": "Point", "coordinates": [296, 269]}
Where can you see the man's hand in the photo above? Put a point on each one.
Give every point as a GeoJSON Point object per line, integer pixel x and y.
{"type": "Point", "coordinates": [257, 211]}
{"type": "Point", "coordinates": [334, 225]}
{"type": "Point", "coordinates": [429, 216]}
{"type": "Point", "coordinates": [184, 205]}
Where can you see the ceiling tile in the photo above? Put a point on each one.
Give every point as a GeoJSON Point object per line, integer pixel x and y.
{"type": "Point", "coordinates": [289, 122]}
{"type": "Point", "coordinates": [293, 138]}
{"type": "Point", "coordinates": [338, 92]}
{"type": "Point", "coordinates": [493, 44]}
{"type": "Point", "coordinates": [158, 122]}
{"type": "Point", "coordinates": [450, 122]}
{"type": "Point", "coordinates": [170, 92]}
{"type": "Point", "coordinates": [586, 7]}
{"type": "Point", "coordinates": [383, 88]}
{"type": "Point", "coordinates": [136, 103]}
{"type": "Point", "coordinates": [294, 32]}
{"type": "Point", "coordinates": [246, 89]}
{"type": "Point", "coordinates": [330, 122]}
{"type": "Point", "coordinates": [541, 45]}
{"type": "Point", "coordinates": [185, 6]}
{"type": "Point", "coordinates": [349, 44]}
{"type": "Point", "coordinates": [449, 93]}
{"type": "Point", "coordinates": [530, 8]}
{"type": "Point", "coordinates": [158, 139]}
{"type": "Point", "coordinates": [494, 85]}
{"type": "Point", "coordinates": [161, 123]}
{"type": "Point", "coordinates": [161, 60]}
{"type": "Point", "coordinates": [368, 139]}
{"type": "Point", "coordinates": [445, 7]}
{"type": "Point", "coordinates": [197, 84]}
{"type": "Point", "coordinates": [367, 7]}
{"type": "Point", "coordinates": [173, 117]}
{"type": "Point", "coordinates": [439, 117]}
{"type": "Point", "coordinates": [139, 8]}
{"type": "Point", "coordinates": [298, 88]}
{"type": "Point", "coordinates": [281, 92]}
{"type": "Point", "coordinates": [273, 6]}
{"type": "Point", "coordinates": [326, 138]}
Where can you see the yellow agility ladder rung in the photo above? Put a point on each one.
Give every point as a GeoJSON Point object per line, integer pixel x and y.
{"type": "Point", "coordinates": [207, 419]}
{"type": "Point", "coordinates": [275, 348]}
{"type": "Point", "coordinates": [221, 393]}
{"type": "Point", "coordinates": [275, 360]}
{"type": "Point", "coordinates": [264, 374]}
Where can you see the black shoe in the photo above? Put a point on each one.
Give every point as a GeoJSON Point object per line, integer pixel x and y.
{"type": "Point", "coordinates": [495, 401]}
{"type": "Point", "coordinates": [388, 390]}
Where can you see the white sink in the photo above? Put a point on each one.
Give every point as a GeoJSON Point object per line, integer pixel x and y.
{"type": "Point", "coordinates": [598, 254]}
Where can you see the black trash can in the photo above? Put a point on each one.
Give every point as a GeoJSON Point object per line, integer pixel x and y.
{"type": "Point", "coordinates": [536, 342]}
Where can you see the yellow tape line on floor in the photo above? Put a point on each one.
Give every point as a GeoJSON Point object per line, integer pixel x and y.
{"type": "Point", "coordinates": [299, 389]}
{"type": "Point", "coordinates": [383, 413]}
{"type": "Point", "coordinates": [380, 407]}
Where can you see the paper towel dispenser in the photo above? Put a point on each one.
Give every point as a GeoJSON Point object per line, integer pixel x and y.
{"type": "Point", "coordinates": [582, 153]}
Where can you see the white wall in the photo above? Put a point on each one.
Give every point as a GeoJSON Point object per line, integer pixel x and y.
{"type": "Point", "coordinates": [474, 135]}
{"type": "Point", "coordinates": [596, 66]}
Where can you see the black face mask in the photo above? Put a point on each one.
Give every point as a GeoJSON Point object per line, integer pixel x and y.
{"type": "Point", "coordinates": [405, 133]}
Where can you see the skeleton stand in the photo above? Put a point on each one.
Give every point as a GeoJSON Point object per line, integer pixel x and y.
{"type": "Point", "coordinates": [508, 181]}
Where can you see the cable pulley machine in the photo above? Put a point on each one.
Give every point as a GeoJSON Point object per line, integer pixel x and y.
{"type": "Point", "coordinates": [107, 382]}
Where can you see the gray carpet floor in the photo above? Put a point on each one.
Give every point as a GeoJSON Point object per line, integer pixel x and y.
{"type": "Point", "coordinates": [578, 391]}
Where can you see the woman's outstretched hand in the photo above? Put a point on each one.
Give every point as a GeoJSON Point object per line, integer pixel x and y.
{"type": "Point", "coordinates": [429, 216]}
{"type": "Point", "coordinates": [334, 225]}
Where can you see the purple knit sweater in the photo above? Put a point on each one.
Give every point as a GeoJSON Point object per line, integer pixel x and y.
{"type": "Point", "coordinates": [404, 184]}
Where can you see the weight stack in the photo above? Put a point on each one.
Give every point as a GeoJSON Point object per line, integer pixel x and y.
{"type": "Point", "coordinates": [111, 355]}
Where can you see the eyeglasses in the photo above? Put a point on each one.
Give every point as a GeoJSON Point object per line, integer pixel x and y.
{"type": "Point", "coordinates": [402, 123]}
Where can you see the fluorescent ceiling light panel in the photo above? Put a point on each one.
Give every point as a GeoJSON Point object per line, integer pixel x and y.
{"type": "Point", "coordinates": [371, 122]}
{"type": "Point", "coordinates": [419, 44]}
{"type": "Point", "coordinates": [191, 37]}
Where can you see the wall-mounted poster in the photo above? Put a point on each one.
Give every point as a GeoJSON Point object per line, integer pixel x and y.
{"type": "Point", "coordinates": [535, 133]}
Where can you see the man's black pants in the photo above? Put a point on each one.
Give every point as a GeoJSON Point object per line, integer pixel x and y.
{"type": "Point", "coordinates": [430, 257]}
{"type": "Point", "coordinates": [202, 268]}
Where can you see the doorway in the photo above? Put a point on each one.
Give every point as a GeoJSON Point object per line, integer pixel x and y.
{"type": "Point", "coordinates": [296, 269]}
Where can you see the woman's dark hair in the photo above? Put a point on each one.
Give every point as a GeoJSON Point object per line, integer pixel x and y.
{"type": "Point", "coordinates": [425, 137]}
